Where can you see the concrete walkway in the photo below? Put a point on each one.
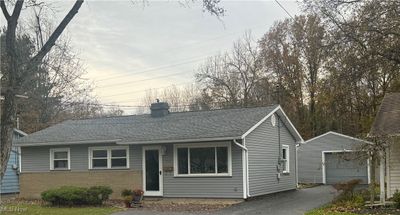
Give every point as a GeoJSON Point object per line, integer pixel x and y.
{"type": "Point", "coordinates": [284, 203]}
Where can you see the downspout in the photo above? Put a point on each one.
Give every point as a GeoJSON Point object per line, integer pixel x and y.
{"type": "Point", "coordinates": [19, 160]}
{"type": "Point", "coordinates": [280, 155]}
{"type": "Point", "coordinates": [297, 164]}
{"type": "Point", "coordinates": [244, 167]}
{"type": "Point", "coordinates": [247, 170]}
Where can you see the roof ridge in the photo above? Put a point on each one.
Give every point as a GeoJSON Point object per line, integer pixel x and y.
{"type": "Point", "coordinates": [181, 112]}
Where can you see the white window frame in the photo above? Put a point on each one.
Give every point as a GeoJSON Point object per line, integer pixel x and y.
{"type": "Point", "coordinates": [202, 145]}
{"type": "Point", "coordinates": [287, 166]}
{"type": "Point", "coordinates": [52, 159]}
{"type": "Point", "coordinates": [109, 158]}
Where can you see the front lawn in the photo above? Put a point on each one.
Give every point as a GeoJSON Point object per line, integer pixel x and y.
{"type": "Point", "coordinates": [34, 209]}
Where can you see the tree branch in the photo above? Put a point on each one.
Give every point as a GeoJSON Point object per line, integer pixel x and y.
{"type": "Point", "coordinates": [57, 32]}
{"type": "Point", "coordinates": [4, 9]}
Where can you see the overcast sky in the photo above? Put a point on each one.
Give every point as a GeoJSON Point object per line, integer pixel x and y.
{"type": "Point", "coordinates": [164, 41]}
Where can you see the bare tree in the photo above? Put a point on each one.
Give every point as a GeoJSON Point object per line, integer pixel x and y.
{"type": "Point", "coordinates": [179, 99]}
{"type": "Point", "coordinates": [16, 70]}
{"type": "Point", "coordinates": [375, 153]}
{"type": "Point", "coordinates": [13, 73]}
{"type": "Point", "coordinates": [372, 24]}
{"type": "Point", "coordinates": [293, 52]}
{"type": "Point", "coordinates": [230, 79]}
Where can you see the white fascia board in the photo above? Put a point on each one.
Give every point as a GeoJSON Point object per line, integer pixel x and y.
{"type": "Point", "coordinates": [20, 132]}
{"type": "Point", "coordinates": [288, 124]}
{"type": "Point", "coordinates": [337, 134]}
{"type": "Point", "coordinates": [259, 122]}
{"type": "Point", "coordinates": [301, 140]}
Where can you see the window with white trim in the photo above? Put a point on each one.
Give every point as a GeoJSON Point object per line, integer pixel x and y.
{"type": "Point", "coordinates": [60, 159]}
{"type": "Point", "coordinates": [202, 160]}
{"type": "Point", "coordinates": [285, 158]}
{"type": "Point", "coordinates": [108, 157]}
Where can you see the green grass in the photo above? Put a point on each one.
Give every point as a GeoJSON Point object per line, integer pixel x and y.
{"type": "Point", "coordinates": [25, 209]}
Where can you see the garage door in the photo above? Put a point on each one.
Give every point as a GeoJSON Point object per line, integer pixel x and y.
{"type": "Point", "coordinates": [341, 167]}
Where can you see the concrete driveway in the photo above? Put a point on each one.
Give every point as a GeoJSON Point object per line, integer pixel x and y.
{"type": "Point", "coordinates": [284, 203]}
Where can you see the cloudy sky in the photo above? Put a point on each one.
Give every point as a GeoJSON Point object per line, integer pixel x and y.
{"type": "Point", "coordinates": [128, 48]}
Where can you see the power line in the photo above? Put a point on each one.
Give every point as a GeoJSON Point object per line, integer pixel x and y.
{"type": "Point", "coordinates": [281, 6]}
{"type": "Point", "coordinates": [194, 59]}
{"type": "Point", "coordinates": [141, 91]}
{"type": "Point", "coordinates": [143, 80]}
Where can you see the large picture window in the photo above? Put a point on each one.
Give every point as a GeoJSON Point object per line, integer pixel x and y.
{"type": "Point", "coordinates": [108, 157]}
{"type": "Point", "coordinates": [202, 160]}
{"type": "Point", "coordinates": [59, 159]}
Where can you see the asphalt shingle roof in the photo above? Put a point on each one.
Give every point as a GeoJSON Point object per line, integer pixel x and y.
{"type": "Point", "coordinates": [143, 128]}
{"type": "Point", "coordinates": [387, 120]}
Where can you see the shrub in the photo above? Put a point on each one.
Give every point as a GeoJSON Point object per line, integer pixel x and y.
{"type": "Point", "coordinates": [70, 195]}
{"type": "Point", "coordinates": [396, 199]}
{"type": "Point", "coordinates": [97, 194]}
{"type": "Point", "coordinates": [126, 192]}
{"type": "Point", "coordinates": [66, 195]}
{"type": "Point", "coordinates": [347, 187]}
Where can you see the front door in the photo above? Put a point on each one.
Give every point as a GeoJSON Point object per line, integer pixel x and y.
{"type": "Point", "coordinates": [152, 171]}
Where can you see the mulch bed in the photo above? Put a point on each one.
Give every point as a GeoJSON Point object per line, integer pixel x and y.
{"type": "Point", "coordinates": [172, 206]}
{"type": "Point", "coordinates": [184, 207]}
{"type": "Point", "coordinates": [147, 205]}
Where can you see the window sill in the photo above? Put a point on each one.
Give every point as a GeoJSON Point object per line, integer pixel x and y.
{"type": "Point", "coordinates": [115, 168]}
{"type": "Point", "coordinates": [59, 170]}
{"type": "Point", "coordinates": [204, 176]}
{"type": "Point", "coordinates": [286, 173]}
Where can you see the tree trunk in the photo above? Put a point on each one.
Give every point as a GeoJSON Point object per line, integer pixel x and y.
{"type": "Point", "coordinates": [9, 112]}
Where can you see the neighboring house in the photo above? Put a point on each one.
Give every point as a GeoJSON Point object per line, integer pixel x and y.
{"type": "Point", "coordinates": [387, 124]}
{"type": "Point", "coordinates": [10, 182]}
{"type": "Point", "coordinates": [331, 158]}
{"type": "Point", "coordinates": [231, 153]}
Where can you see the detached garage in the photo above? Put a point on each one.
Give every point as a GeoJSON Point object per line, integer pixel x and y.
{"type": "Point", "coordinates": [331, 158]}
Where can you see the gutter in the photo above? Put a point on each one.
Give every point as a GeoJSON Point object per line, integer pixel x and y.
{"type": "Point", "coordinates": [245, 167]}
{"type": "Point", "coordinates": [118, 141]}
{"type": "Point", "coordinates": [179, 140]}
{"type": "Point", "coordinates": [66, 143]}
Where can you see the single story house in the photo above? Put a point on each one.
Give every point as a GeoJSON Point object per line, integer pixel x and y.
{"type": "Point", "coordinates": [10, 182]}
{"type": "Point", "coordinates": [331, 158]}
{"type": "Point", "coordinates": [387, 125]}
{"type": "Point", "coordinates": [230, 153]}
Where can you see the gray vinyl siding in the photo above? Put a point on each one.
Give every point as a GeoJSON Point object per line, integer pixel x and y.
{"type": "Point", "coordinates": [263, 153]}
{"type": "Point", "coordinates": [37, 158]}
{"type": "Point", "coordinates": [310, 155]}
{"type": "Point", "coordinates": [203, 187]}
{"type": "Point", "coordinates": [393, 167]}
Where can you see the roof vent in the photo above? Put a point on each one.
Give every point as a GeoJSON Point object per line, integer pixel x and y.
{"type": "Point", "coordinates": [159, 109]}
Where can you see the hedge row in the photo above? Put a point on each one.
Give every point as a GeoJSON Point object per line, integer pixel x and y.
{"type": "Point", "coordinates": [70, 195]}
